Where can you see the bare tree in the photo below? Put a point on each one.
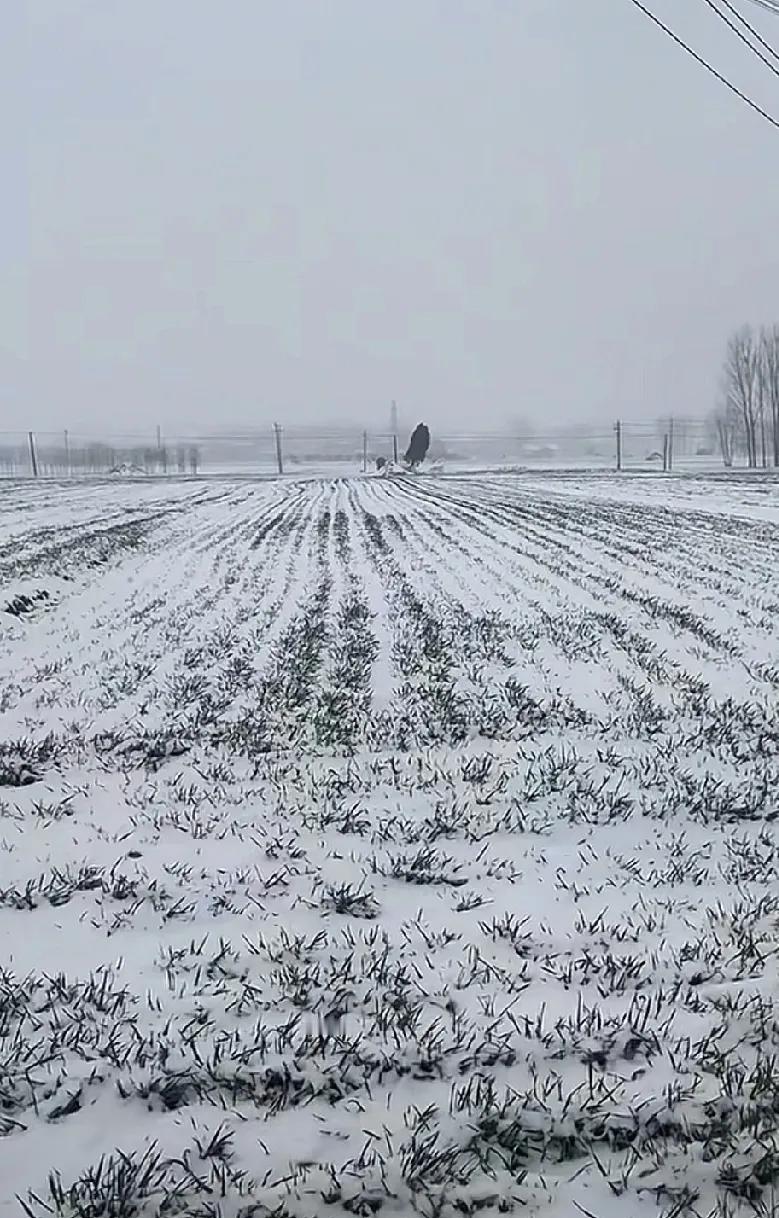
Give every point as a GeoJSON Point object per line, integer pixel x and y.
{"type": "Point", "coordinates": [769, 384]}
{"type": "Point", "coordinates": [742, 382]}
{"type": "Point", "coordinates": [726, 421]}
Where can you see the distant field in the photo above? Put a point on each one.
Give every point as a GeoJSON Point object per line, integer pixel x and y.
{"type": "Point", "coordinates": [389, 846]}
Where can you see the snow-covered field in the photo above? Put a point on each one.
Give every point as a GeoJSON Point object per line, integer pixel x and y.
{"type": "Point", "coordinates": [389, 846]}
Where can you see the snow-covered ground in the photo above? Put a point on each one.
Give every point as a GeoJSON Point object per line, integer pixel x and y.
{"type": "Point", "coordinates": [389, 846]}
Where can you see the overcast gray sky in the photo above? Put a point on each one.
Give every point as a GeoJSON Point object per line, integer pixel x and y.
{"type": "Point", "coordinates": [487, 209]}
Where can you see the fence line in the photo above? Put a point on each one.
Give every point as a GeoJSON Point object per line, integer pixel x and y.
{"type": "Point", "coordinates": [280, 449]}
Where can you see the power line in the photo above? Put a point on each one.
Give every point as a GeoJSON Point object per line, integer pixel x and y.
{"type": "Point", "coordinates": [755, 33]}
{"type": "Point", "coordinates": [771, 6]}
{"type": "Point", "coordinates": [732, 25]}
{"type": "Point", "coordinates": [705, 64]}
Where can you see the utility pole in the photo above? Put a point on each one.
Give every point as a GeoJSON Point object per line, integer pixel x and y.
{"type": "Point", "coordinates": [33, 454]}
{"type": "Point", "coordinates": [394, 427]}
{"type": "Point", "coordinates": [618, 430]}
{"type": "Point", "coordinates": [670, 443]}
{"type": "Point", "coordinates": [665, 453]}
{"type": "Point", "coordinates": [365, 452]}
{"type": "Point", "coordinates": [160, 453]}
{"type": "Point", "coordinates": [67, 453]}
{"type": "Point", "coordinates": [279, 453]}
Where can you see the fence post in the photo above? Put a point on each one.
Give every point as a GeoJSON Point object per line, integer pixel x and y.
{"type": "Point", "coordinates": [33, 454]}
{"type": "Point", "coordinates": [365, 452]}
{"type": "Point", "coordinates": [279, 453]}
{"type": "Point", "coordinates": [618, 430]}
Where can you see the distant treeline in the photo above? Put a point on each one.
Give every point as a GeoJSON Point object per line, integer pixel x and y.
{"type": "Point", "coordinates": [99, 459]}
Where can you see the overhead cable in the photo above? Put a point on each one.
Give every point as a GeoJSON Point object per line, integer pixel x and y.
{"type": "Point", "coordinates": [755, 33]}
{"type": "Point", "coordinates": [771, 6]}
{"type": "Point", "coordinates": [705, 64]}
{"type": "Point", "coordinates": [732, 25]}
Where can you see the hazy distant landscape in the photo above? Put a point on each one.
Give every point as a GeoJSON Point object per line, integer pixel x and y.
{"type": "Point", "coordinates": [350, 450]}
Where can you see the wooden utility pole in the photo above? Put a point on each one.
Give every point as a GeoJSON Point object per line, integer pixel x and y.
{"type": "Point", "coordinates": [670, 444]}
{"type": "Point", "coordinates": [618, 430]}
{"type": "Point", "coordinates": [67, 452]}
{"type": "Point", "coordinates": [665, 453]}
{"type": "Point", "coordinates": [163, 456]}
{"type": "Point", "coordinates": [394, 421]}
{"type": "Point", "coordinates": [33, 454]}
{"type": "Point", "coordinates": [279, 453]}
{"type": "Point", "coordinates": [365, 452]}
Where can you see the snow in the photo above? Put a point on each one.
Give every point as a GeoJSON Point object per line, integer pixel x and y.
{"type": "Point", "coordinates": [389, 845]}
